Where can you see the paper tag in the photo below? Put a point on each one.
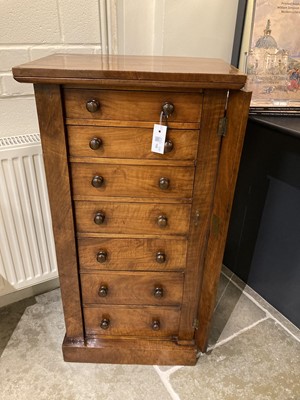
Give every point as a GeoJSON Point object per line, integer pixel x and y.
{"type": "Point", "coordinates": [159, 138]}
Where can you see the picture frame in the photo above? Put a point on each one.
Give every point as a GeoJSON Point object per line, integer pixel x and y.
{"type": "Point", "coordinates": [268, 45]}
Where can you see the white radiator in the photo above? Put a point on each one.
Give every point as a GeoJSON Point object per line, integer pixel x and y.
{"type": "Point", "coordinates": [27, 252]}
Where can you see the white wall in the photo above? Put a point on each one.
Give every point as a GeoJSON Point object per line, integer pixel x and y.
{"type": "Point", "coordinates": [30, 29]}
{"type": "Point", "coordinates": [198, 28]}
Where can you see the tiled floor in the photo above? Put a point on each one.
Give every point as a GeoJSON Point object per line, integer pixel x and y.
{"type": "Point", "coordinates": [254, 354]}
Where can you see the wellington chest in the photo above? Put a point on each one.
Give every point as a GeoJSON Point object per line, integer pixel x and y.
{"type": "Point", "coordinates": [141, 157]}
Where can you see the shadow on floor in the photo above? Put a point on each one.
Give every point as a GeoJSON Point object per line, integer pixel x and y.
{"type": "Point", "coordinates": [9, 318]}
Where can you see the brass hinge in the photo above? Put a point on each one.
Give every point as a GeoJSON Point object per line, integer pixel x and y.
{"type": "Point", "coordinates": [222, 126]}
{"type": "Point", "coordinates": [196, 323]}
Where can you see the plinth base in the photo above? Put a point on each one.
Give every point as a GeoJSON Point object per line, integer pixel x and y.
{"type": "Point", "coordinates": [129, 351]}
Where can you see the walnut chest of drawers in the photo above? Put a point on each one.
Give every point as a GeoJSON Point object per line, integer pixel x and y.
{"type": "Point", "coordinates": [139, 235]}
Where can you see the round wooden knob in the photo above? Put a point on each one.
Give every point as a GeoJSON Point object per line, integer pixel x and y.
{"type": "Point", "coordinates": [99, 218]}
{"type": "Point", "coordinates": [103, 291]}
{"type": "Point", "coordinates": [104, 324]}
{"type": "Point", "coordinates": [168, 146]}
{"type": "Point", "coordinates": [158, 292]}
{"type": "Point", "coordinates": [160, 257]}
{"type": "Point", "coordinates": [168, 108]}
{"type": "Point", "coordinates": [97, 181]}
{"type": "Point", "coordinates": [92, 105]}
{"type": "Point", "coordinates": [96, 143]}
{"type": "Point", "coordinates": [156, 325]}
{"type": "Point", "coordinates": [164, 183]}
{"type": "Point", "coordinates": [101, 256]}
{"type": "Point", "coordinates": [162, 221]}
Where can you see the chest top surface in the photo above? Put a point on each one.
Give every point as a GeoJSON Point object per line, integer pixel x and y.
{"type": "Point", "coordinates": [67, 68]}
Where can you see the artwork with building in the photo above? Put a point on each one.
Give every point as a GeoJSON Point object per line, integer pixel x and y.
{"type": "Point", "coordinates": [273, 60]}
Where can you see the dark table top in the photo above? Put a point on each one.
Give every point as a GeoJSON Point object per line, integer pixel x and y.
{"type": "Point", "coordinates": [287, 125]}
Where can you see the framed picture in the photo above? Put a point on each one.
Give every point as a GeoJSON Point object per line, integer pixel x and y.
{"type": "Point", "coordinates": [270, 55]}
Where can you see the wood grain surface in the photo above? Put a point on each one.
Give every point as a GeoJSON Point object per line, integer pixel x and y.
{"type": "Point", "coordinates": [132, 218]}
{"type": "Point", "coordinates": [86, 68]}
{"type": "Point", "coordinates": [126, 350]}
{"type": "Point", "coordinates": [130, 288]}
{"type": "Point", "coordinates": [204, 188]}
{"type": "Point", "coordinates": [49, 108]}
{"type": "Point", "coordinates": [201, 169]}
{"type": "Point", "coordinates": [132, 105]}
{"type": "Point", "coordinates": [132, 321]}
{"type": "Point", "coordinates": [132, 254]}
{"type": "Point", "coordinates": [122, 142]}
{"type": "Point", "coordinates": [237, 112]}
{"type": "Point", "coordinates": [131, 181]}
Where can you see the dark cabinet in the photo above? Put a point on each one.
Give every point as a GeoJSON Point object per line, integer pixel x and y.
{"type": "Point", "coordinates": [264, 232]}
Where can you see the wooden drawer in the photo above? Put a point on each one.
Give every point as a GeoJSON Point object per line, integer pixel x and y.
{"type": "Point", "coordinates": [132, 321]}
{"type": "Point", "coordinates": [131, 288]}
{"type": "Point", "coordinates": [132, 105]}
{"type": "Point", "coordinates": [132, 181]}
{"type": "Point", "coordinates": [132, 218]}
{"type": "Point", "coordinates": [129, 143]}
{"type": "Point", "coordinates": [132, 254]}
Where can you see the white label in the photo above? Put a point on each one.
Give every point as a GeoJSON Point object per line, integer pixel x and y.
{"type": "Point", "coordinates": [159, 138]}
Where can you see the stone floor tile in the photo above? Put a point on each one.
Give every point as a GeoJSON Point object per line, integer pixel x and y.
{"type": "Point", "coordinates": [227, 272]}
{"type": "Point", "coordinates": [233, 313]}
{"type": "Point", "coordinates": [267, 306]}
{"type": "Point", "coordinates": [165, 368]}
{"type": "Point", "coordinates": [9, 318]}
{"type": "Point", "coordinates": [49, 297]}
{"type": "Point", "coordinates": [262, 363]}
{"type": "Point", "coordinates": [32, 367]}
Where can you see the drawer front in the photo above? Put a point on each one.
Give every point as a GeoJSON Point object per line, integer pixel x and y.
{"type": "Point", "coordinates": [132, 254]}
{"type": "Point", "coordinates": [132, 218]}
{"type": "Point", "coordinates": [128, 180]}
{"type": "Point", "coordinates": [147, 288]}
{"type": "Point", "coordinates": [131, 105]}
{"type": "Point", "coordinates": [134, 321]}
{"type": "Point", "coordinates": [90, 141]}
